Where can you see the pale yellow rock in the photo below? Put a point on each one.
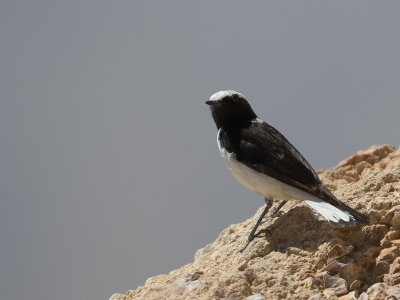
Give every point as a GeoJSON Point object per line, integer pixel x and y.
{"type": "Point", "coordinates": [304, 257]}
{"type": "Point", "coordinates": [317, 297]}
{"type": "Point", "coordinates": [118, 297]}
{"type": "Point", "coordinates": [349, 296]}
{"type": "Point", "coordinates": [380, 291]}
{"type": "Point", "coordinates": [335, 285]}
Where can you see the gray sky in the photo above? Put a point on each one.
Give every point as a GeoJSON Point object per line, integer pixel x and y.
{"type": "Point", "coordinates": [110, 171]}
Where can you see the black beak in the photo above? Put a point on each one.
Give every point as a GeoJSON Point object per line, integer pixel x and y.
{"type": "Point", "coordinates": [209, 102]}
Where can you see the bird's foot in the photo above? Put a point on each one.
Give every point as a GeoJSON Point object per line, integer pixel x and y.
{"type": "Point", "coordinates": [262, 231]}
{"type": "Point", "coordinates": [252, 236]}
{"type": "Point", "coordinates": [249, 239]}
{"type": "Point", "coordinates": [272, 216]}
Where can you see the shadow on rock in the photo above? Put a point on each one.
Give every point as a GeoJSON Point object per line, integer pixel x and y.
{"type": "Point", "coordinates": [299, 228]}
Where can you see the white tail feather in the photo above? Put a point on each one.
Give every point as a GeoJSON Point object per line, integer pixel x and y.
{"type": "Point", "coordinates": [330, 212]}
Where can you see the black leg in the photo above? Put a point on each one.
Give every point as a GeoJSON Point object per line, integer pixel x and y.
{"type": "Point", "coordinates": [271, 216]}
{"type": "Point", "coordinates": [276, 210]}
{"type": "Point", "coordinates": [252, 233]}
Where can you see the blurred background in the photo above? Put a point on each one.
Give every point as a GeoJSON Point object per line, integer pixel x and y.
{"type": "Point", "coordinates": [109, 168]}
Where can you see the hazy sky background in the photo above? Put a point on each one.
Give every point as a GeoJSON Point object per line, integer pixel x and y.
{"type": "Point", "coordinates": [109, 168]}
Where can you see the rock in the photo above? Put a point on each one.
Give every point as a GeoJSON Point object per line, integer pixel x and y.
{"type": "Point", "coordinates": [339, 251]}
{"type": "Point", "coordinates": [118, 297]}
{"type": "Point", "coordinates": [317, 297]}
{"type": "Point", "coordinates": [304, 257]}
{"type": "Point", "coordinates": [255, 297]}
{"type": "Point", "coordinates": [349, 296]}
{"type": "Point", "coordinates": [396, 219]}
{"type": "Point", "coordinates": [249, 274]}
{"type": "Point", "coordinates": [391, 216]}
{"type": "Point", "coordinates": [351, 272]}
{"type": "Point", "coordinates": [392, 279]}
{"type": "Point", "coordinates": [388, 254]}
{"type": "Point", "coordinates": [333, 267]}
{"type": "Point", "coordinates": [363, 296]}
{"type": "Point", "coordinates": [385, 258]}
{"type": "Point", "coordinates": [196, 275]}
{"type": "Point", "coordinates": [242, 265]}
{"type": "Point", "coordinates": [395, 266]}
{"type": "Point", "coordinates": [335, 285]}
{"type": "Point", "coordinates": [193, 285]}
{"type": "Point", "coordinates": [232, 297]}
{"type": "Point", "coordinates": [355, 285]}
{"type": "Point", "coordinates": [380, 291]}
{"type": "Point", "coordinates": [389, 237]}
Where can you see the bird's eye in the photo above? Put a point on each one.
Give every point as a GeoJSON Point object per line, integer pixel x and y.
{"type": "Point", "coordinates": [236, 99]}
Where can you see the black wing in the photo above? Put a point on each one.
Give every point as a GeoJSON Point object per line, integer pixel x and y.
{"type": "Point", "coordinates": [263, 148]}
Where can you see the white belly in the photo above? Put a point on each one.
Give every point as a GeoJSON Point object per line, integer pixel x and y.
{"type": "Point", "coordinates": [271, 188]}
{"type": "Point", "coordinates": [262, 184]}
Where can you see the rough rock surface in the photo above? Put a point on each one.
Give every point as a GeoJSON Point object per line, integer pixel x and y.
{"type": "Point", "coordinates": [304, 257]}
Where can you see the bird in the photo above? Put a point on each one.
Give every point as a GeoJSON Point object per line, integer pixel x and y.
{"type": "Point", "coordinates": [266, 163]}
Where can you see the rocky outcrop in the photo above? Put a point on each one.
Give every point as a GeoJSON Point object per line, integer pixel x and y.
{"type": "Point", "coordinates": [304, 257]}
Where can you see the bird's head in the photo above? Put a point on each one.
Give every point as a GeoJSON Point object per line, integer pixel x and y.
{"type": "Point", "coordinates": [230, 108]}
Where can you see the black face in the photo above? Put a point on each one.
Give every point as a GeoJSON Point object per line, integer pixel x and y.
{"type": "Point", "coordinates": [230, 110]}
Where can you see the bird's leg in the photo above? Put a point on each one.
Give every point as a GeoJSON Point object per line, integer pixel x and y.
{"type": "Point", "coordinates": [273, 214]}
{"type": "Point", "coordinates": [251, 236]}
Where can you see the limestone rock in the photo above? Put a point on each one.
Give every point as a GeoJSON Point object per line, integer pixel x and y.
{"type": "Point", "coordinates": [380, 291]}
{"type": "Point", "coordinates": [335, 285]}
{"type": "Point", "coordinates": [304, 257]}
{"type": "Point", "coordinates": [255, 297]}
{"type": "Point", "coordinates": [118, 297]}
{"type": "Point", "coordinates": [349, 296]}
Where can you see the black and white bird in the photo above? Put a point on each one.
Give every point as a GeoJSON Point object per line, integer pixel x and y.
{"type": "Point", "coordinates": [266, 163]}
